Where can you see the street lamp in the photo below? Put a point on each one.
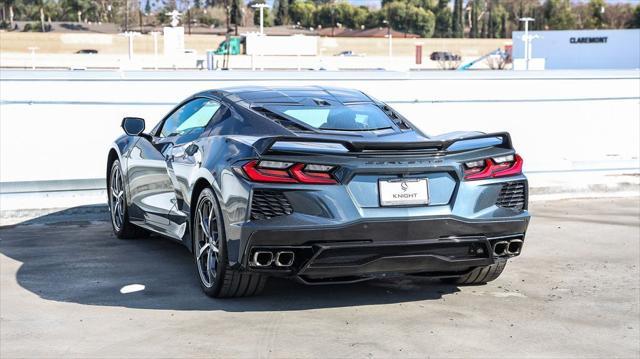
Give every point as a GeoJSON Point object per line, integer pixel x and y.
{"type": "Point", "coordinates": [261, 7]}
{"type": "Point", "coordinates": [390, 39]}
{"type": "Point", "coordinates": [526, 38]}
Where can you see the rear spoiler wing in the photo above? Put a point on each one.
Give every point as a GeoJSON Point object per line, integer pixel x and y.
{"type": "Point", "coordinates": [458, 144]}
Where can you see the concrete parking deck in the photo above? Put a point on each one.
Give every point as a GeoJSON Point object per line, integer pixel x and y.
{"type": "Point", "coordinates": [573, 293]}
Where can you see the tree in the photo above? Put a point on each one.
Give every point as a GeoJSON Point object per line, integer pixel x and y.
{"type": "Point", "coordinates": [374, 19]}
{"type": "Point", "coordinates": [497, 21]}
{"type": "Point", "coordinates": [302, 12]}
{"type": "Point", "coordinates": [360, 16]}
{"type": "Point", "coordinates": [474, 18]}
{"type": "Point", "coordinates": [422, 21]}
{"type": "Point", "coordinates": [282, 12]}
{"type": "Point", "coordinates": [634, 22]}
{"type": "Point", "coordinates": [595, 15]}
{"type": "Point", "coordinates": [235, 12]}
{"type": "Point", "coordinates": [457, 26]}
{"type": "Point", "coordinates": [558, 15]}
{"type": "Point", "coordinates": [618, 15]}
{"type": "Point", "coordinates": [147, 7]}
{"type": "Point", "coordinates": [409, 18]}
{"type": "Point", "coordinates": [443, 19]}
{"type": "Point", "coordinates": [324, 15]}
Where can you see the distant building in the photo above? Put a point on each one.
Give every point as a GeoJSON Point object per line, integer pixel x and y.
{"type": "Point", "coordinates": [583, 49]}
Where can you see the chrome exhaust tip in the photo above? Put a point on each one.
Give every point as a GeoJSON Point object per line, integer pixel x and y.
{"type": "Point", "coordinates": [514, 247]}
{"type": "Point", "coordinates": [500, 248]}
{"type": "Point", "coordinates": [262, 259]}
{"type": "Point", "coordinates": [284, 258]}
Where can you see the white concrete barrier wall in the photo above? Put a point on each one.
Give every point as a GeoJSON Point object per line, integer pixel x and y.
{"type": "Point", "coordinates": [58, 125]}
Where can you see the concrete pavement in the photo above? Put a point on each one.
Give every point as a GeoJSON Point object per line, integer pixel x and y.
{"type": "Point", "coordinates": [573, 293]}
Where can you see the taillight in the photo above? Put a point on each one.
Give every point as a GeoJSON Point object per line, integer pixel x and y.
{"type": "Point", "coordinates": [288, 172]}
{"type": "Point", "coordinates": [501, 166]}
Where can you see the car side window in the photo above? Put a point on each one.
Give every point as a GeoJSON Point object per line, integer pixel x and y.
{"type": "Point", "coordinates": [194, 114]}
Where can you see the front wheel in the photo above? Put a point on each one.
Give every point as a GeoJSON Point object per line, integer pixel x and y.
{"type": "Point", "coordinates": [210, 254]}
{"type": "Point", "coordinates": [122, 228]}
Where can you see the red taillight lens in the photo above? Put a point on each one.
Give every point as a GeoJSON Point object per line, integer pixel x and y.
{"type": "Point", "coordinates": [311, 177]}
{"type": "Point", "coordinates": [491, 168]}
{"type": "Point", "coordinates": [295, 173]}
{"type": "Point", "coordinates": [513, 168]}
{"type": "Point", "coordinates": [269, 175]}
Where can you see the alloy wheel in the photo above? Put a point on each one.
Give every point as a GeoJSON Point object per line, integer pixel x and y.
{"type": "Point", "coordinates": [116, 198]}
{"type": "Point", "coordinates": [206, 241]}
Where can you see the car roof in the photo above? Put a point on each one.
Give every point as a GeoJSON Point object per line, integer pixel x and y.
{"type": "Point", "coordinates": [283, 95]}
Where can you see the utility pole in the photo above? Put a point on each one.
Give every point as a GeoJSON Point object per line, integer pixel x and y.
{"type": "Point", "coordinates": [42, 19]}
{"type": "Point", "coordinates": [227, 10]}
{"type": "Point", "coordinates": [333, 19]}
{"type": "Point", "coordinates": [189, 20]}
{"type": "Point", "coordinates": [126, 15]}
{"type": "Point", "coordinates": [236, 11]}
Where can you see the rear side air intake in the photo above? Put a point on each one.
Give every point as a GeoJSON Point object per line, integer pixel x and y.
{"type": "Point", "coordinates": [268, 204]}
{"type": "Point", "coordinates": [513, 196]}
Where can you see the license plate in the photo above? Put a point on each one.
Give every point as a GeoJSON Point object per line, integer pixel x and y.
{"type": "Point", "coordinates": [403, 192]}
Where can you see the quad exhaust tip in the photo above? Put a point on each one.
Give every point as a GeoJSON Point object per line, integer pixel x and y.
{"type": "Point", "coordinates": [500, 248]}
{"type": "Point", "coordinates": [267, 258]}
{"type": "Point", "coordinates": [284, 258]}
{"type": "Point", "coordinates": [503, 248]}
{"type": "Point", "coordinates": [262, 258]}
{"type": "Point", "coordinates": [514, 246]}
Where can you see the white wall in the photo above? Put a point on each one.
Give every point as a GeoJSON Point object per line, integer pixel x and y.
{"type": "Point", "coordinates": [58, 125]}
{"type": "Point", "coordinates": [571, 49]}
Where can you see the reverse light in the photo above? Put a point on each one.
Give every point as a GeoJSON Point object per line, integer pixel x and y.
{"type": "Point", "coordinates": [501, 166]}
{"type": "Point", "coordinates": [275, 164]}
{"type": "Point", "coordinates": [503, 159]}
{"type": "Point", "coordinates": [288, 172]}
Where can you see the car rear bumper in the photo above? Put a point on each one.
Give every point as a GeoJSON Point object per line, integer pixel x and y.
{"type": "Point", "coordinates": [367, 248]}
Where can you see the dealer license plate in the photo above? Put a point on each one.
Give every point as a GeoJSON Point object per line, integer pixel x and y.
{"type": "Point", "coordinates": [403, 192]}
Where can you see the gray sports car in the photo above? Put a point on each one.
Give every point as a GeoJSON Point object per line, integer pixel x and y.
{"type": "Point", "coordinates": [323, 185]}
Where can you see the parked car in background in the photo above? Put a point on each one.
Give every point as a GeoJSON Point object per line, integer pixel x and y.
{"type": "Point", "coordinates": [87, 51]}
{"type": "Point", "coordinates": [444, 56]}
{"type": "Point", "coordinates": [346, 53]}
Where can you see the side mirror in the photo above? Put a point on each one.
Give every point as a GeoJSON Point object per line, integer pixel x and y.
{"type": "Point", "coordinates": [133, 126]}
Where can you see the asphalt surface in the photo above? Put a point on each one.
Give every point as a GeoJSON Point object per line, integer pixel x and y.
{"type": "Point", "coordinates": [573, 293]}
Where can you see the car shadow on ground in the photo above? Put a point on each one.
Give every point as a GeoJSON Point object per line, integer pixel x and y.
{"type": "Point", "coordinates": [83, 262]}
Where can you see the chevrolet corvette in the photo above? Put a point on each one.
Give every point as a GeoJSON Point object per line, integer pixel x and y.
{"type": "Point", "coordinates": [321, 185]}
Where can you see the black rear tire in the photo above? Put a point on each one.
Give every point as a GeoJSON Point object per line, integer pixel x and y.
{"type": "Point", "coordinates": [480, 275]}
{"type": "Point", "coordinates": [119, 213]}
{"type": "Point", "coordinates": [221, 281]}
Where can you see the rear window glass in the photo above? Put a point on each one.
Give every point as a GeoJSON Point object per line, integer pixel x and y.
{"type": "Point", "coordinates": [357, 117]}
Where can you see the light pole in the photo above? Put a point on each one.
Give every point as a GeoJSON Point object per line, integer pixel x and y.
{"type": "Point", "coordinates": [130, 35]}
{"type": "Point", "coordinates": [390, 40]}
{"type": "Point", "coordinates": [526, 38]}
{"type": "Point", "coordinates": [261, 7]}
{"type": "Point", "coordinates": [155, 48]}
{"type": "Point", "coordinates": [33, 56]}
